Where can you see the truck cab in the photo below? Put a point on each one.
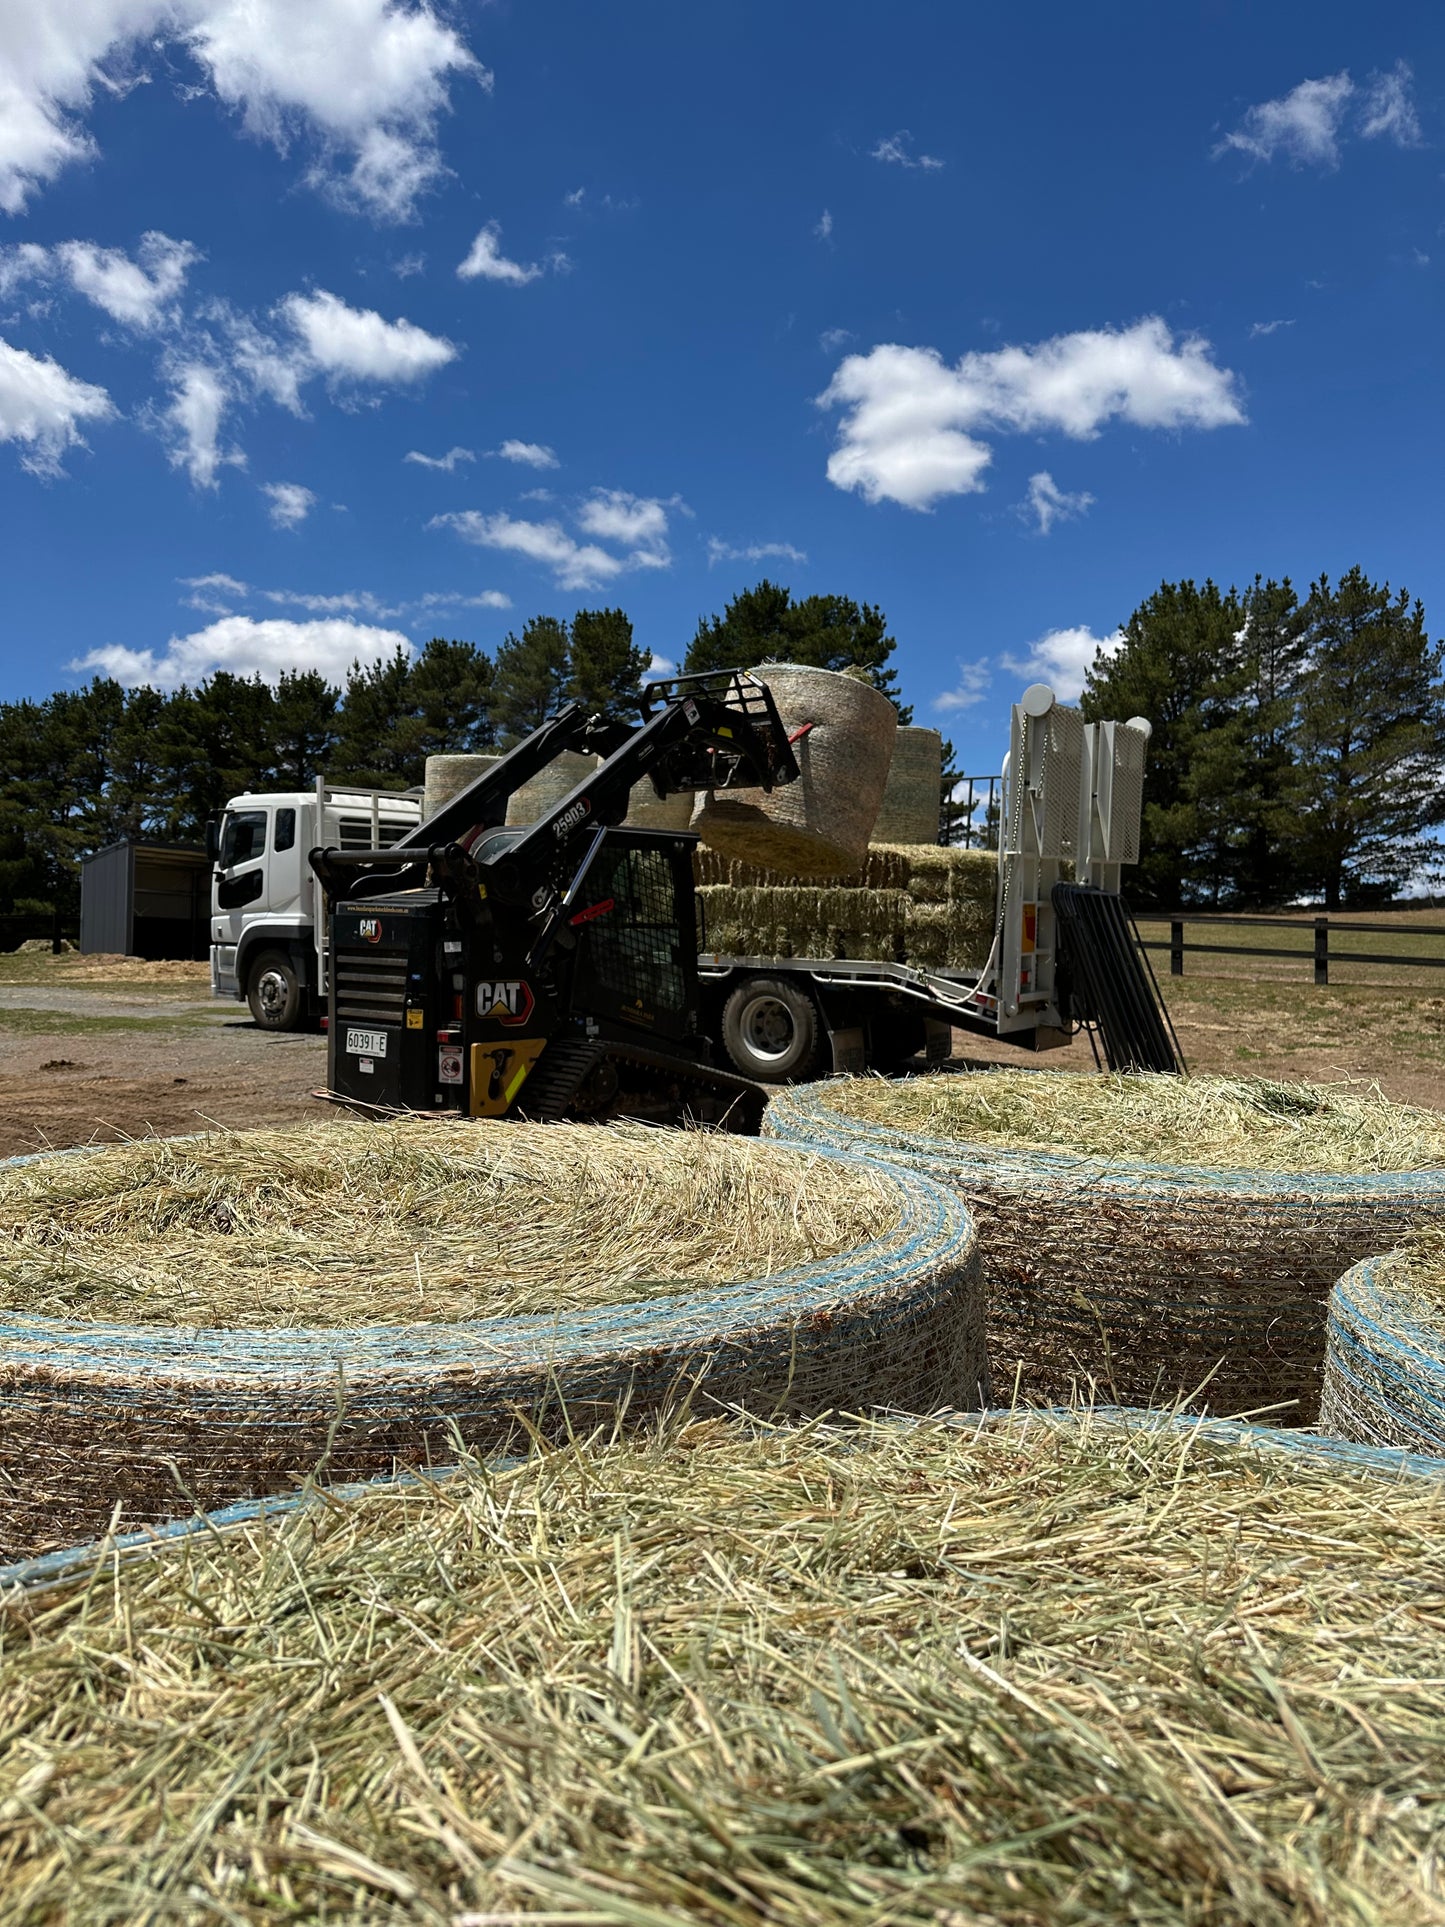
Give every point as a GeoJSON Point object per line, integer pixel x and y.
{"type": "Point", "coordinates": [267, 927]}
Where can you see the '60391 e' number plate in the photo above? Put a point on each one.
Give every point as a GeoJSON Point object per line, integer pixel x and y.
{"type": "Point", "coordinates": [366, 1043]}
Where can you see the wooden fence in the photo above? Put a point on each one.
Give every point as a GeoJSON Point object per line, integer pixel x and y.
{"type": "Point", "coordinates": [1318, 952]}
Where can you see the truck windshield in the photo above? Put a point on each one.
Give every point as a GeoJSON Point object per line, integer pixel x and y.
{"type": "Point", "coordinates": [244, 837]}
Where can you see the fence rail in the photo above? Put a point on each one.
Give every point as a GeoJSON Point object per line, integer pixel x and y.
{"type": "Point", "coordinates": [1319, 953]}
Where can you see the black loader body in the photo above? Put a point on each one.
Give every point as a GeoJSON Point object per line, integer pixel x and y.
{"type": "Point", "coordinates": [550, 970]}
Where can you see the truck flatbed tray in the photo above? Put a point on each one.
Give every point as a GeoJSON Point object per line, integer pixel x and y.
{"type": "Point", "coordinates": [950, 996]}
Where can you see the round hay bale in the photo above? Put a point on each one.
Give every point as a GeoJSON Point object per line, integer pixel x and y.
{"type": "Point", "coordinates": [1197, 1680]}
{"type": "Point", "coordinates": [203, 1320]}
{"type": "Point", "coordinates": [1202, 1271]}
{"type": "Point", "coordinates": [549, 786]}
{"type": "Point", "coordinates": [448, 776]}
{"type": "Point", "coordinates": [646, 810]}
{"type": "Point", "coordinates": [912, 797]}
{"type": "Point", "coordinates": [820, 825]}
{"type": "Point", "coordinates": [1385, 1352]}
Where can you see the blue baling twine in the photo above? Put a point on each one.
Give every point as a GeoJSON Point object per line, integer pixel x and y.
{"type": "Point", "coordinates": [1384, 1462]}
{"type": "Point", "coordinates": [802, 1116]}
{"type": "Point", "coordinates": [934, 1229]}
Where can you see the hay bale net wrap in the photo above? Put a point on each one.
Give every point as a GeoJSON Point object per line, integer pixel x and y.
{"type": "Point", "coordinates": [448, 776]}
{"type": "Point", "coordinates": [1385, 1358]}
{"type": "Point", "coordinates": [1141, 1279]}
{"type": "Point", "coordinates": [155, 1416]}
{"type": "Point", "coordinates": [912, 797]}
{"type": "Point", "coordinates": [547, 788]}
{"type": "Point", "coordinates": [646, 810]}
{"type": "Point", "coordinates": [820, 824]}
{"type": "Point", "coordinates": [891, 1654]}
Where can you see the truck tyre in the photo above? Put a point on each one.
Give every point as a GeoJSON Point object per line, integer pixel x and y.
{"type": "Point", "coordinates": [273, 990]}
{"type": "Point", "coordinates": [771, 1030]}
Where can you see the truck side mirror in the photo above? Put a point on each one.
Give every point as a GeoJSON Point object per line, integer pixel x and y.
{"type": "Point", "coordinates": [213, 839]}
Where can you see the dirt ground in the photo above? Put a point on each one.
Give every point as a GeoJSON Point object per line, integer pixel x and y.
{"type": "Point", "coordinates": [103, 1049]}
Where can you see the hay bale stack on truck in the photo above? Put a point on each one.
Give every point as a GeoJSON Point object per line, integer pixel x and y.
{"type": "Point", "coordinates": [552, 967]}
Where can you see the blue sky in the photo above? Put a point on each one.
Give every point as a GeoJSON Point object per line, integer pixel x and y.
{"type": "Point", "coordinates": [326, 325]}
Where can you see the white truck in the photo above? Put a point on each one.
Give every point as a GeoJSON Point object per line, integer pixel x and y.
{"type": "Point", "coordinates": [268, 937]}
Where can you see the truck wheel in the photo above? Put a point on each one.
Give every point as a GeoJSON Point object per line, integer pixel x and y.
{"type": "Point", "coordinates": [770, 1030]}
{"type": "Point", "coordinates": [273, 990]}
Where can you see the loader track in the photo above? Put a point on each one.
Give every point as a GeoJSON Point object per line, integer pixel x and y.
{"type": "Point", "coordinates": [599, 1081]}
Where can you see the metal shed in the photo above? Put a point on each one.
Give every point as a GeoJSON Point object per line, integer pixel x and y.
{"type": "Point", "coordinates": [140, 899]}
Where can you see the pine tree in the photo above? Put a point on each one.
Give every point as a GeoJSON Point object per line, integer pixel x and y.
{"type": "Point", "coordinates": [1273, 652]}
{"type": "Point", "coordinates": [303, 729]}
{"type": "Point", "coordinates": [1369, 742]}
{"type": "Point", "coordinates": [451, 699]}
{"type": "Point", "coordinates": [530, 678]}
{"type": "Point", "coordinates": [374, 725]}
{"type": "Point", "coordinates": [764, 624]}
{"type": "Point", "coordinates": [606, 665]}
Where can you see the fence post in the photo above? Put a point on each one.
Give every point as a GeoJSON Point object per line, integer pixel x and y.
{"type": "Point", "coordinates": [1176, 946]}
{"type": "Point", "coordinates": [1322, 950]}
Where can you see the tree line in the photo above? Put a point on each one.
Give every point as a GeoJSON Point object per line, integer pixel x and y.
{"type": "Point", "coordinates": [1299, 743]}
{"type": "Point", "coordinates": [87, 767]}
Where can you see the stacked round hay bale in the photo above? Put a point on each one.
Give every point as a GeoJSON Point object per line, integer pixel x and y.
{"type": "Point", "coordinates": [211, 1318]}
{"type": "Point", "coordinates": [1199, 1681]}
{"type": "Point", "coordinates": [1385, 1349]}
{"type": "Point", "coordinates": [906, 903]}
{"type": "Point", "coordinates": [547, 788]}
{"type": "Point", "coordinates": [820, 825]}
{"type": "Point", "coordinates": [448, 776]}
{"type": "Point", "coordinates": [913, 795]}
{"type": "Point", "coordinates": [1151, 1237]}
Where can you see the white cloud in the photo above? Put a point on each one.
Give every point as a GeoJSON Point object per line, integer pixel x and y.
{"type": "Point", "coordinates": [269, 367]}
{"type": "Point", "coordinates": [140, 293]}
{"type": "Point", "coordinates": [972, 686]}
{"type": "Point", "coordinates": [911, 429]}
{"type": "Point", "coordinates": [367, 78]}
{"type": "Point", "coordinates": [290, 503]}
{"type": "Point", "coordinates": [1387, 111]}
{"type": "Point", "coordinates": [824, 229]}
{"type": "Point", "coordinates": [720, 551]}
{"type": "Point", "coordinates": [1061, 659]}
{"type": "Point", "coordinates": [612, 515]}
{"type": "Point", "coordinates": [659, 669]}
{"type": "Point", "coordinates": [447, 462]}
{"type": "Point", "coordinates": [895, 149]}
{"type": "Point", "coordinates": [576, 565]}
{"type": "Point", "coordinates": [832, 339]}
{"type": "Point", "coordinates": [1048, 503]}
{"type": "Point", "coordinates": [1303, 125]}
{"type": "Point", "coordinates": [217, 580]}
{"type": "Point", "coordinates": [488, 599]}
{"type": "Point", "coordinates": [192, 423]}
{"type": "Point", "coordinates": [356, 344]}
{"type": "Point", "coordinates": [270, 648]}
{"type": "Point", "coordinates": [42, 407]}
{"type": "Point", "coordinates": [1307, 125]}
{"type": "Point", "coordinates": [1258, 328]}
{"type": "Point", "coordinates": [486, 260]}
{"type": "Point", "coordinates": [530, 454]}
{"type": "Point", "coordinates": [576, 197]}
{"type": "Point", "coordinates": [349, 602]}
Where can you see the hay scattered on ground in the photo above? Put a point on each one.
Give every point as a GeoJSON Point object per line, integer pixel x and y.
{"type": "Point", "coordinates": [1219, 1123]}
{"type": "Point", "coordinates": [414, 1221]}
{"type": "Point", "coordinates": [77, 967]}
{"type": "Point", "coordinates": [1042, 1675]}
